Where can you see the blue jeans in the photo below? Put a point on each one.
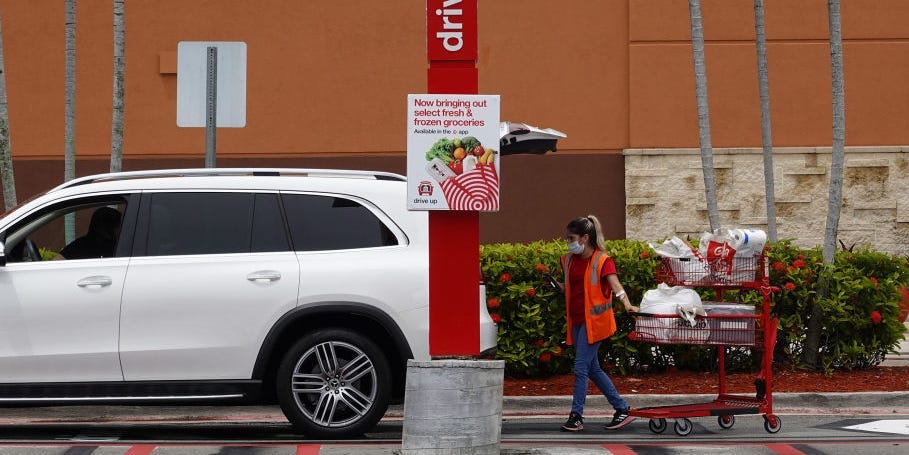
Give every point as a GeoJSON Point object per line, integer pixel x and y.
{"type": "Point", "coordinates": [587, 366]}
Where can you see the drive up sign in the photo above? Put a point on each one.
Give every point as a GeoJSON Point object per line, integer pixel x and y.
{"type": "Point", "coordinates": [452, 156]}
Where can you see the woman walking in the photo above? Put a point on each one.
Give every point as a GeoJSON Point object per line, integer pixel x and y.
{"type": "Point", "coordinates": [590, 286]}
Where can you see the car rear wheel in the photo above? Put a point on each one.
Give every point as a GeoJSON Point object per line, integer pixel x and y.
{"type": "Point", "coordinates": [334, 383]}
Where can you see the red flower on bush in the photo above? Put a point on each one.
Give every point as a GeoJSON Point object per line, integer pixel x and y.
{"type": "Point", "coordinates": [790, 286]}
{"type": "Point", "coordinates": [542, 268]}
{"type": "Point", "coordinates": [778, 266]}
{"type": "Point", "coordinates": [800, 256]}
{"type": "Point", "coordinates": [537, 343]}
{"type": "Point", "coordinates": [531, 292]}
{"type": "Point", "coordinates": [545, 357]}
{"type": "Point", "coordinates": [557, 352]}
{"type": "Point", "coordinates": [798, 263]}
{"type": "Point", "coordinates": [875, 317]}
{"type": "Point", "coordinates": [492, 303]}
{"type": "Point", "coordinates": [645, 255]}
{"type": "Point", "coordinates": [873, 280]}
{"type": "Point", "coordinates": [505, 277]}
{"type": "Point", "coordinates": [495, 318]}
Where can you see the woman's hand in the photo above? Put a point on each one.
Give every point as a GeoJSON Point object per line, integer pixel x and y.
{"type": "Point", "coordinates": [620, 294]}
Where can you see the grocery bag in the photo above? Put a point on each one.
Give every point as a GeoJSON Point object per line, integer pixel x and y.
{"type": "Point", "coordinates": [664, 300]}
{"type": "Point", "coordinates": [683, 332]}
{"type": "Point", "coordinates": [731, 330]}
{"type": "Point", "coordinates": [685, 263]}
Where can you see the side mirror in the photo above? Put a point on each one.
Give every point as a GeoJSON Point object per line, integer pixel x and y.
{"type": "Point", "coordinates": [2, 255]}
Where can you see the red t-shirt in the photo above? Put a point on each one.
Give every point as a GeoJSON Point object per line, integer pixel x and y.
{"type": "Point", "coordinates": [577, 268]}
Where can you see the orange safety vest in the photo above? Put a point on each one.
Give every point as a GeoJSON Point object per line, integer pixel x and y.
{"type": "Point", "coordinates": [599, 318]}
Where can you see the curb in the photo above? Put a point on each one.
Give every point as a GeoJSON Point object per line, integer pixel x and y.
{"type": "Point", "coordinates": [854, 402]}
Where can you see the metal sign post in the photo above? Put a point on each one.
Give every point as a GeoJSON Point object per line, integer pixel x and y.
{"type": "Point", "coordinates": [211, 88]}
{"type": "Point", "coordinates": [211, 106]}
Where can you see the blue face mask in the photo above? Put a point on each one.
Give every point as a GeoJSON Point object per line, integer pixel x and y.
{"type": "Point", "coordinates": [575, 248]}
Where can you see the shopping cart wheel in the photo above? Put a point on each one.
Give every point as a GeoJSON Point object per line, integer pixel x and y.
{"type": "Point", "coordinates": [772, 423]}
{"type": "Point", "coordinates": [657, 425]}
{"type": "Point", "coordinates": [726, 422]}
{"type": "Point", "coordinates": [682, 427]}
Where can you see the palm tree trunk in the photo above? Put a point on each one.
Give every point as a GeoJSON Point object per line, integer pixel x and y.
{"type": "Point", "coordinates": [116, 142]}
{"type": "Point", "coordinates": [766, 137]}
{"type": "Point", "coordinates": [6, 158]}
{"type": "Point", "coordinates": [700, 79]}
{"type": "Point", "coordinates": [835, 195]}
{"type": "Point", "coordinates": [69, 117]}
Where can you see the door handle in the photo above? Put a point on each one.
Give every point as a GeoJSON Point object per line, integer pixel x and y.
{"type": "Point", "coordinates": [264, 275]}
{"type": "Point", "coordinates": [99, 281]}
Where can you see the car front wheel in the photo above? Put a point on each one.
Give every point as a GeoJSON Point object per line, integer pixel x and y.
{"type": "Point", "coordinates": [334, 383]}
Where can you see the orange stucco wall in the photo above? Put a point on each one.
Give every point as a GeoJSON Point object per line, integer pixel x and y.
{"type": "Point", "coordinates": [330, 77]}
{"type": "Point", "coordinates": [323, 76]}
{"type": "Point", "coordinates": [328, 80]}
{"type": "Point", "coordinates": [876, 62]}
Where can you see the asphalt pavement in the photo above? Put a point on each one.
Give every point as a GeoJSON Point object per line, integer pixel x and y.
{"type": "Point", "coordinates": [199, 423]}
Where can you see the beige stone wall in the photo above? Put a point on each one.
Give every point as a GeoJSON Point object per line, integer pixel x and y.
{"type": "Point", "coordinates": [664, 194]}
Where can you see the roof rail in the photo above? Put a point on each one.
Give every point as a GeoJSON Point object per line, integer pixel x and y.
{"type": "Point", "coordinates": [218, 172]}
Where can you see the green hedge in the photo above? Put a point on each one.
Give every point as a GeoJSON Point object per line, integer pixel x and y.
{"type": "Point", "coordinates": [860, 315]}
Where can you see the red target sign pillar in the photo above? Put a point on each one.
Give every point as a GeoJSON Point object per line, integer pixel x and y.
{"type": "Point", "coordinates": [453, 172]}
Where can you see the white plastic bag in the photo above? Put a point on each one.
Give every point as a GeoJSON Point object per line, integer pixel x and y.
{"type": "Point", "coordinates": [681, 332]}
{"type": "Point", "coordinates": [685, 263]}
{"type": "Point", "coordinates": [731, 254]}
{"type": "Point", "coordinates": [674, 248]}
{"type": "Point", "coordinates": [747, 241]}
{"type": "Point", "coordinates": [731, 331]}
{"type": "Point", "coordinates": [664, 300]}
{"type": "Point", "coordinates": [688, 311]}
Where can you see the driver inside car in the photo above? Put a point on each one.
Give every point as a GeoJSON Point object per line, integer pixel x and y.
{"type": "Point", "coordinates": [101, 239]}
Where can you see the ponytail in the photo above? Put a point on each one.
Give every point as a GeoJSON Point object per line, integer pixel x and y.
{"type": "Point", "coordinates": [598, 233]}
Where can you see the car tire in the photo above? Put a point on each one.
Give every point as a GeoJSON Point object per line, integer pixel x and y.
{"type": "Point", "coordinates": [334, 383]}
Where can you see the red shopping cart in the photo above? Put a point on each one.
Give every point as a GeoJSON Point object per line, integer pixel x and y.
{"type": "Point", "coordinates": [749, 328]}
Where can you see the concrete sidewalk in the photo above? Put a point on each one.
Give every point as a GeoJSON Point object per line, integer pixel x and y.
{"type": "Point", "coordinates": [512, 407]}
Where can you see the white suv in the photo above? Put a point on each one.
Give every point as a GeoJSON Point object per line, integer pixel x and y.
{"type": "Point", "coordinates": [309, 287]}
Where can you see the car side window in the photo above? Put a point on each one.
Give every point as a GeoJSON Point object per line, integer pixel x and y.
{"type": "Point", "coordinates": [333, 223]}
{"type": "Point", "coordinates": [83, 228]}
{"type": "Point", "coordinates": [214, 223]}
{"type": "Point", "coordinates": [269, 232]}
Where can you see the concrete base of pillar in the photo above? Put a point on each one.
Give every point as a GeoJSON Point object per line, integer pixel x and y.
{"type": "Point", "coordinates": [453, 407]}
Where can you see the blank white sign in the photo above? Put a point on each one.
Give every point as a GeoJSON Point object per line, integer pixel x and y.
{"type": "Point", "coordinates": [192, 73]}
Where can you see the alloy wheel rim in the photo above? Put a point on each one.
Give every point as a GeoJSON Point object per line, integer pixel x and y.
{"type": "Point", "coordinates": [334, 384]}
